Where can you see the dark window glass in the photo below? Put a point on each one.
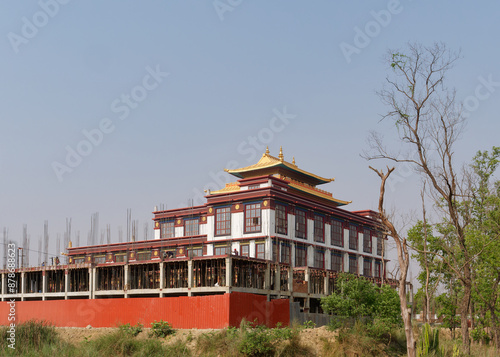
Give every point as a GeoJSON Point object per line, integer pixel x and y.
{"type": "Point", "coordinates": [191, 227]}
{"type": "Point", "coordinates": [319, 229]}
{"type": "Point", "coordinates": [353, 237]}
{"type": "Point", "coordinates": [337, 234]}
{"type": "Point", "coordinates": [281, 219]}
{"type": "Point", "coordinates": [167, 229]}
{"type": "Point", "coordinates": [252, 218]}
{"type": "Point", "coordinates": [336, 261]}
{"type": "Point", "coordinates": [300, 224]}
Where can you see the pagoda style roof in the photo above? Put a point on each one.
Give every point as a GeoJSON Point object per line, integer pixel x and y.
{"type": "Point", "coordinates": [270, 165]}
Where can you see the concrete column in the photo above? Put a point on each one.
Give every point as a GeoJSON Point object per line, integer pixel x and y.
{"type": "Point", "coordinates": [267, 277]}
{"type": "Point", "coordinates": [3, 290]}
{"type": "Point", "coordinates": [326, 284]}
{"type": "Point", "coordinates": [290, 280]}
{"type": "Point", "coordinates": [229, 271]}
{"type": "Point", "coordinates": [23, 275]}
{"type": "Point", "coordinates": [277, 281]}
{"type": "Point", "coordinates": [66, 284]}
{"type": "Point", "coordinates": [93, 285]}
{"type": "Point", "coordinates": [306, 277]}
{"type": "Point", "coordinates": [162, 278]}
{"type": "Point", "coordinates": [44, 284]}
{"type": "Point", "coordinates": [190, 275]}
{"type": "Point", "coordinates": [126, 286]}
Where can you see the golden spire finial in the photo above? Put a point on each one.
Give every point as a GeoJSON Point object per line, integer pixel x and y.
{"type": "Point", "coordinates": [267, 150]}
{"type": "Point", "coordinates": [281, 154]}
{"type": "Point", "coordinates": [293, 161]}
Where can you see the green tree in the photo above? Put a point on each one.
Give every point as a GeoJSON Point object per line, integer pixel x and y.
{"type": "Point", "coordinates": [483, 234]}
{"type": "Point", "coordinates": [361, 300]}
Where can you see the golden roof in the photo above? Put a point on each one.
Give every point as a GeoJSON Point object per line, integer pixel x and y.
{"type": "Point", "coordinates": [267, 161]}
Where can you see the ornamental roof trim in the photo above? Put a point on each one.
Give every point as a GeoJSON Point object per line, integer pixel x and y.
{"type": "Point", "coordinates": [269, 161]}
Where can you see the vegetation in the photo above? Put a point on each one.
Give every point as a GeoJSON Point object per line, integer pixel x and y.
{"type": "Point", "coordinates": [161, 329]}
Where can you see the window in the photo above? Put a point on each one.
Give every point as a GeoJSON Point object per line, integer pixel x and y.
{"type": "Point", "coordinates": [251, 187]}
{"type": "Point", "coordinates": [367, 241]}
{"type": "Point", "coordinates": [337, 234]}
{"type": "Point", "coordinates": [300, 255]}
{"type": "Point", "coordinates": [353, 237]}
{"type": "Point", "coordinates": [367, 267]}
{"type": "Point", "coordinates": [78, 260]}
{"type": "Point", "coordinates": [252, 218]}
{"type": "Point", "coordinates": [191, 227]}
{"type": "Point", "coordinates": [353, 264]}
{"type": "Point", "coordinates": [379, 243]}
{"type": "Point", "coordinates": [281, 219]}
{"type": "Point", "coordinates": [300, 224]}
{"type": "Point", "coordinates": [319, 258]}
{"type": "Point", "coordinates": [143, 255]}
{"type": "Point", "coordinates": [245, 250]}
{"type": "Point", "coordinates": [167, 229]}
{"type": "Point", "coordinates": [285, 253]}
{"type": "Point", "coordinates": [222, 221]}
{"type": "Point", "coordinates": [276, 249]}
{"type": "Point", "coordinates": [221, 250]}
{"type": "Point", "coordinates": [196, 252]}
{"type": "Point", "coordinates": [336, 261]}
{"type": "Point", "coordinates": [100, 259]}
{"type": "Point", "coordinates": [260, 250]}
{"type": "Point", "coordinates": [378, 269]}
{"type": "Point", "coordinates": [121, 258]}
{"type": "Point", "coordinates": [319, 229]}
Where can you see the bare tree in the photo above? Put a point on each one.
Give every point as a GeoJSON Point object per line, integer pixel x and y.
{"type": "Point", "coordinates": [403, 260]}
{"type": "Point", "coordinates": [429, 121]}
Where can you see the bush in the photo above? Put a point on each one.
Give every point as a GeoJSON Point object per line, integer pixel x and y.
{"type": "Point", "coordinates": [161, 329]}
{"type": "Point", "coordinates": [132, 330]}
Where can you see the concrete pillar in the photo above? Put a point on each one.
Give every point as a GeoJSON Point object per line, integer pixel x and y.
{"type": "Point", "coordinates": [190, 275]}
{"type": "Point", "coordinates": [327, 281]}
{"type": "Point", "coordinates": [290, 280]}
{"type": "Point", "coordinates": [162, 278]}
{"type": "Point", "coordinates": [66, 284]}
{"type": "Point", "coordinates": [23, 275]}
{"type": "Point", "coordinates": [44, 284]}
{"type": "Point", "coordinates": [126, 285]}
{"type": "Point", "coordinates": [3, 290]}
{"type": "Point", "coordinates": [93, 285]}
{"type": "Point", "coordinates": [267, 277]}
{"type": "Point", "coordinates": [306, 277]}
{"type": "Point", "coordinates": [277, 281]}
{"type": "Point", "coordinates": [229, 271]}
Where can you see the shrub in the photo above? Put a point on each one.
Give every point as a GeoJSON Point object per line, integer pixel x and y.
{"type": "Point", "coordinates": [161, 329]}
{"type": "Point", "coordinates": [132, 330]}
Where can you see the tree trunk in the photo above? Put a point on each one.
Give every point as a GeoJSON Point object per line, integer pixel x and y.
{"type": "Point", "coordinates": [464, 311]}
{"type": "Point", "coordinates": [496, 327]}
{"type": "Point", "coordinates": [411, 344]}
{"type": "Point", "coordinates": [424, 310]}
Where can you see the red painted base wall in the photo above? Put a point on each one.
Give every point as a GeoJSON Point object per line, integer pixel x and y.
{"type": "Point", "coordinates": [215, 311]}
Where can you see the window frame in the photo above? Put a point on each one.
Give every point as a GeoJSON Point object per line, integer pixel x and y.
{"type": "Point", "coordinates": [247, 247]}
{"type": "Point", "coordinates": [249, 228]}
{"type": "Point", "coordinates": [300, 247]}
{"type": "Point", "coordinates": [303, 214]}
{"type": "Point", "coordinates": [167, 227]}
{"type": "Point", "coordinates": [340, 225]}
{"type": "Point", "coordinates": [367, 240]}
{"type": "Point", "coordinates": [285, 252]}
{"type": "Point", "coordinates": [333, 264]}
{"type": "Point", "coordinates": [222, 223]}
{"type": "Point", "coordinates": [281, 223]}
{"type": "Point", "coordinates": [319, 228]}
{"type": "Point", "coordinates": [195, 223]}
{"type": "Point", "coordinates": [257, 246]}
{"type": "Point", "coordinates": [319, 253]}
{"type": "Point", "coordinates": [353, 258]}
{"type": "Point", "coordinates": [220, 247]}
{"type": "Point", "coordinates": [369, 261]}
{"type": "Point", "coordinates": [353, 238]}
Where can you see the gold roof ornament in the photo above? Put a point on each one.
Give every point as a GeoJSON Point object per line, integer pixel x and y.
{"type": "Point", "coordinates": [270, 165]}
{"type": "Point", "coordinates": [277, 166]}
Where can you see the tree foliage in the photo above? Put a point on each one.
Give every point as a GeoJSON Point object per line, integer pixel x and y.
{"type": "Point", "coordinates": [360, 299]}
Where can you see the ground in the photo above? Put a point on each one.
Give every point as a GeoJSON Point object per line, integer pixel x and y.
{"type": "Point", "coordinates": [310, 337]}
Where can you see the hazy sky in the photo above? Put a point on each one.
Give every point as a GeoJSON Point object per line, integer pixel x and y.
{"type": "Point", "coordinates": [109, 105]}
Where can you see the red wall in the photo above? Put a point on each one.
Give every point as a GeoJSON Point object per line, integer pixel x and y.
{"type": "Point", "coordinates": [215, 311]}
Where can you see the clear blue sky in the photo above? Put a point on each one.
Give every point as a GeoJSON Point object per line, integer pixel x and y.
{"type": "Point", "coordinates": [71, 66]}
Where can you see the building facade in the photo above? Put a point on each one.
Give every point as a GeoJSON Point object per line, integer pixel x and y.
{"type": "Point", "coordinates": [272, 232]}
